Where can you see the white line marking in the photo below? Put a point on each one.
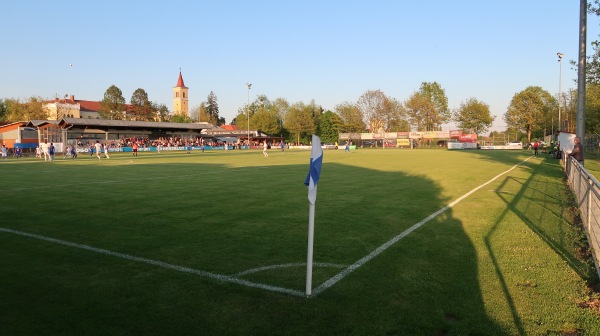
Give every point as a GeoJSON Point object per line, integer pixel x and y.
{"type": "Point", "coordinates": [266, 268]}
{"type": "Point", "coordinates": [184, 269]}
{"type": "Point", "coordinates": [394, 240]}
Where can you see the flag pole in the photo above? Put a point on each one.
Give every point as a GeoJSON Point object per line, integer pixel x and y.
{"type": "Point", "coordinates": [309, 254]}
{"type": "Point", "coordinates": [314, 171]}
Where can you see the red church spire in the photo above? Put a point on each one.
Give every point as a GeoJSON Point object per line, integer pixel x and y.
{"type": "Point", "coordinates": [180, 81]}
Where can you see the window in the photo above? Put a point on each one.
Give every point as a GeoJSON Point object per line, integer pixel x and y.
{"type": "Point", "coordinates": [176, 94]}
{"type": "Point", "coordinates": [183, 94]}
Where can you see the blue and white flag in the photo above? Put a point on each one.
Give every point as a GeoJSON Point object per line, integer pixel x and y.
{"type": "Point", "coordinates": [316, 160]}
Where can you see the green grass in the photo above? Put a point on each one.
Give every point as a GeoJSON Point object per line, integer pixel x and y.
{"type": "Point", "coordinates": [593, 166]}
{"type": "Point", "coordinates": [503, 261]}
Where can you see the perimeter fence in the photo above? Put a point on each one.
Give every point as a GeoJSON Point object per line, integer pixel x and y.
{"type": "Point", "coordinates": [587, 192]}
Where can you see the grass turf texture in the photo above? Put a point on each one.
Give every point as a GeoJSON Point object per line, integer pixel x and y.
{"type": "Point", "coordinates": [501, 262]}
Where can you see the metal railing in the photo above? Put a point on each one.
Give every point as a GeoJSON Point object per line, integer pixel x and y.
{"type": "Point", "coordinates": [587, 193]}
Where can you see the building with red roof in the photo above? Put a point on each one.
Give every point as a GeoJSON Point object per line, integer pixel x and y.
{"type": "Point", "coordinates": [72, 108]}
{"type": "Point", "coordinates": [69, 107]}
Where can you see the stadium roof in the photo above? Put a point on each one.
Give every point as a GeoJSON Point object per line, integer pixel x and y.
{"type": "Point", "coordinates": [135, 124]}
{"type": "Point", "coordinates": [36, 123]}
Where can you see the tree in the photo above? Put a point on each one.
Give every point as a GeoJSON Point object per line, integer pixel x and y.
{"type": "Point", "coordinates": [592, 108]}
{"type": "Point", "coordinates": [316, 112]}
{"type": "Point", "coordinates": [351, 117]}
{"type": "Point", "coordinates": [396, 118]}
{"type": "Point", "coordinates": [330, 126]}
{"type": "Point", "coordinates": [569, 109]}
{"type": "Point", "coordinates": [141, 108]}
{"type": "Point", "coordinates": [527, 110]}
{"type": "Point", "coordinates": [375, 108]}
{"type": "Point", "coordinates": [299, 121]}
{"type": "Point", "coordinates": [180, 118]}
{"type": "Point", "coordinates": [473, 116]}
{"type": "Point", "coordinates": [212, 108]}
{"type": "Point", "coordinates": [241, 120]}
{"type": "Point", "coordinates": [418, 110]}
{"type": "Point", "coordinates": [199, 113]}
{"type": "Point", "coordinates": [162, 111]}
{"type": "Point", "coordinates": [112, 105]}
{"type": "Point", "coordinates": [33, 108]}
{"type": "Point", "coordinates": [281, 106]}
{"type": "Point", "coordinates": [265, 115]}
{"type": "Point", "coordinates": [3, 110]}
{"type": "Point", "coordinates": [266, 121]}
{"type": "Point", "coordinates": [427, 109]}
{"type": "Point", "coordinates": [245, 112]}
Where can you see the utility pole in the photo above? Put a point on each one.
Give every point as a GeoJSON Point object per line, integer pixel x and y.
{"type": "Point", "coordinates": [581, 79]}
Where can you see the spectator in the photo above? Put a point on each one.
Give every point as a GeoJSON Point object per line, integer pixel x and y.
{"type": "Point", "coordinates": [577, 152]}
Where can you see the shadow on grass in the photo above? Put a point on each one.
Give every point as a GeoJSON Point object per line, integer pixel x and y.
{"type": "Point", "coordinates": [548, 225]}
{"type": "Point", "coordinates": [227, 220]}
{"type": "Point", "coordinates": [534, 198]}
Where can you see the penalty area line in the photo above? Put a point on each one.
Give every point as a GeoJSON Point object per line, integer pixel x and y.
{"type": "Point", "coordinates": [332, 281]}
{"type": "Point", "coordinates": [225, 278]}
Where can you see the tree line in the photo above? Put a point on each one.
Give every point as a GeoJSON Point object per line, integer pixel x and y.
{"type": "Point", "coordinates": [374, 111]}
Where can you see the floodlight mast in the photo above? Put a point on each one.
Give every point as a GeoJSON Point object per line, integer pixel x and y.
{"type": "Point", "coordinates": [249, 85]}
{"type": "Point", "coordinates": [560, 56]}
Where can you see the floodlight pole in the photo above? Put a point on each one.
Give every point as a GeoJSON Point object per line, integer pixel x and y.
{"type": "Point", "coordinates": [248, 110]}
{"type": "Point", "coordinates": [560, 56]}
{"type": "Point", "coordinates": [581, 78]}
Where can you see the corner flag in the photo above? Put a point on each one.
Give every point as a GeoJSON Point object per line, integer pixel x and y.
{"type": "Point", "coordinates": [316, 160]}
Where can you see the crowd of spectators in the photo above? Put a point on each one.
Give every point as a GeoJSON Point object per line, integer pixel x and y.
{"type": "Point", "coordinates": [163, 142]}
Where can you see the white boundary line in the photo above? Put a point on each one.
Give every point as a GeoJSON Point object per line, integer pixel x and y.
{"type": "Point", "coordinates": [235, 278]}
{"type": "Point", "coordinates": [394, 240]}
{"type": "Point", "coordinates": [231, 279]}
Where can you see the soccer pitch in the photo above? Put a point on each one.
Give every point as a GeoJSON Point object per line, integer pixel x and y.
{"type": "Point", "coordinates": [406, 242]}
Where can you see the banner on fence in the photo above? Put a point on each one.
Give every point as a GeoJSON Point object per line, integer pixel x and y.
{"type": "Point", "coordinates": [455, 134]}
{"type": "Point", "coordinates": [467, 138]}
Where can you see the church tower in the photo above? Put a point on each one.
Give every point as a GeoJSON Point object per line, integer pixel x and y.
{"type": "Point", "coordinates": [180, 97]}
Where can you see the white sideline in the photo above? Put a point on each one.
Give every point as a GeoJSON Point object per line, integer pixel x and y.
{"type": "Point", "coordinates": [225, 278]}
{"type": "Point", "coordinates": [394, 240]}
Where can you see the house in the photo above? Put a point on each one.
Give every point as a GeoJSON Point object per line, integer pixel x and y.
{"type": "Point", "coordinates": [72, 108]}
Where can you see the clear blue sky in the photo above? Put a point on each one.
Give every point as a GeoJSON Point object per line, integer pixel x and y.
{"type": "Point", "coordinates": [329, 51]}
